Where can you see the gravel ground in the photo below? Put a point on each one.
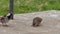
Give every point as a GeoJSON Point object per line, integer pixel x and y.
{"type": "Point", "coordinates": [22, 23]}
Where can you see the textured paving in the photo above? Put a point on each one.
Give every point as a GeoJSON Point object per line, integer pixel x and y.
{"type": "Point", "coordinates": [22, 23]}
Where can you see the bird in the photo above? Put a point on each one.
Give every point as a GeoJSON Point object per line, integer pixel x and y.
{"type": "Point", "coordinates": [5, 19]}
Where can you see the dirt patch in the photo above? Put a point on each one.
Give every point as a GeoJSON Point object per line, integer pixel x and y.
{"type": "Point", "coordinates": [22, 23]}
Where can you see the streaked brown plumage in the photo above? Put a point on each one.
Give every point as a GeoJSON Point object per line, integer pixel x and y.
{"type": "Point", "coordinates": [36, 21]}
{"type": "Point", "coordinates": [5, 19]}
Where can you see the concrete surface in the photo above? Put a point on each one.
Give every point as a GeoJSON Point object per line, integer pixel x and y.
{"type": "Point", "coordinates": [22, 23]}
